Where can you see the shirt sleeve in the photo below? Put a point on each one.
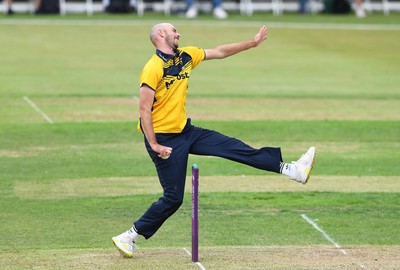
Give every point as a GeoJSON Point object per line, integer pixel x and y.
{"type": "Point", "coordinates": [197, 55]}
{"type": "Point", "coordinates": [151, 74]}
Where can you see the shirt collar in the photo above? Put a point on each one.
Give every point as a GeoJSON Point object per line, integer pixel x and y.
{"type": "Point", "coordinates": [165, 56]}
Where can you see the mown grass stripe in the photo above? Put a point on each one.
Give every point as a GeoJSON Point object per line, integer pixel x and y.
{"type": "Point", "coordinates": [118, 23]}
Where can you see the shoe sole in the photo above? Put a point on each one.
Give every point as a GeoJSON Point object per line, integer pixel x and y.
{"type": "Point", "coordinates": [312, 166]}
{"type": "Point", "coordinates": [123, 253]}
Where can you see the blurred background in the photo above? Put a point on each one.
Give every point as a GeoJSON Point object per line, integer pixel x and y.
{"type": "Point", "coordinates": [192, 8]}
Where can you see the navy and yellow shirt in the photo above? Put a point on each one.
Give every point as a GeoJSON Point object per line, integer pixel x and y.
{"type": "Point", "coordinates": [168, 75]}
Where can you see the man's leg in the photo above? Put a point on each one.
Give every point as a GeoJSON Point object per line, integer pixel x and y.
{"type": "Point", "coordinates": [172, 176]}
{"type": "Point", "coordinates": [212, 143]}
{"type": "Point", "coordinates": [208, 142]}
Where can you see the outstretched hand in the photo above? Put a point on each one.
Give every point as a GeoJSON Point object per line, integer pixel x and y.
{"type": "Point", "coordinates": [260, 36]}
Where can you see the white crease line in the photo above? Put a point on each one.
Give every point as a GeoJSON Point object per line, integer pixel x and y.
{"type": "Point", "coordinates": [188, 252]}
{"type": "Point", "coordinates": [341, 250]}
{"type": "Point", "coordinates": [201, 266]}
{"type": "Point", "coordinates": [198, 263]}
{"type": "Point", "coordinates": [36, 108]}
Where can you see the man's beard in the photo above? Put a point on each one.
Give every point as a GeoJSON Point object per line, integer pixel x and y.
{"type": "Point", "coordinates": [174, 44]}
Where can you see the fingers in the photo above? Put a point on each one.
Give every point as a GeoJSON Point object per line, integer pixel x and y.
{"type": "Point", "coordinates": [260, 36]}
{"type": "Point", "coordinates": [264, 31]}
{"type": "Point", "coordinates": [165, 152]}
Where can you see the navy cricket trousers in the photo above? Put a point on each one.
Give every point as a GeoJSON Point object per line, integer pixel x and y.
{"type": "Point", "coordinates": [172, 171]}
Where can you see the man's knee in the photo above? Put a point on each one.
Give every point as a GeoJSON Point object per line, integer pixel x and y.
{"type": "Point", "coordinates": [171, 204]}
{"type": "Point", "coordinates": [174, 204]}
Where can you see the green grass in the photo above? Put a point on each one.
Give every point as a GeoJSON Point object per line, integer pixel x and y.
{"type": "Point", "coordinates": [272, 217]}
{"type": "Point", "coordinates": [85, 76]}
{"type": "Point", "coordinates": [100, 149]}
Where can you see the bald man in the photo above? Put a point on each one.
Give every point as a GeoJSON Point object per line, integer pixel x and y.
{"type": "Point", "coordinates": [170, 137]}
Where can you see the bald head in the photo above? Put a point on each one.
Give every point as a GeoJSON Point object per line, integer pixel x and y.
{"type": "Point", "coordinates": [165, 37]}
{"type": "Point", "coordinates": [158, 31]}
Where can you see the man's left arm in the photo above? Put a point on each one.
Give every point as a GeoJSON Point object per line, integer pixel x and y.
{"type": "Point", "coordinates": [227, 50]}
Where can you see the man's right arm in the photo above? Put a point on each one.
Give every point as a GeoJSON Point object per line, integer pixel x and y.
{"type": "Point", "coordinates": [146, 120]}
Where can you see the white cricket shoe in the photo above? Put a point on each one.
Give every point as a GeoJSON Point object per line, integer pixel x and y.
{"type": "Point", "coordinates": [125, 244]}
{"type": "Point", "coordinates": [219, 13]}
{"type": "Point", "coordinates": [304, 166]}
{"type": "Point", "coordinates": [192, 12]}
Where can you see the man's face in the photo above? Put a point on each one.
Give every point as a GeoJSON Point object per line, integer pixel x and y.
{"type": "Point", "coordinates": [172, 37]}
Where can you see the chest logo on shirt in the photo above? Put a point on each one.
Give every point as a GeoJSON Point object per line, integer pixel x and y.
{"type": "Point", "coordinates": [181, 76]}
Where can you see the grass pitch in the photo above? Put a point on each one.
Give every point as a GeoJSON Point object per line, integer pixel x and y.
{"type": "Point", "coordinates": [66, 188]}
{"type": "Point", "coordinates": [227, 257]}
